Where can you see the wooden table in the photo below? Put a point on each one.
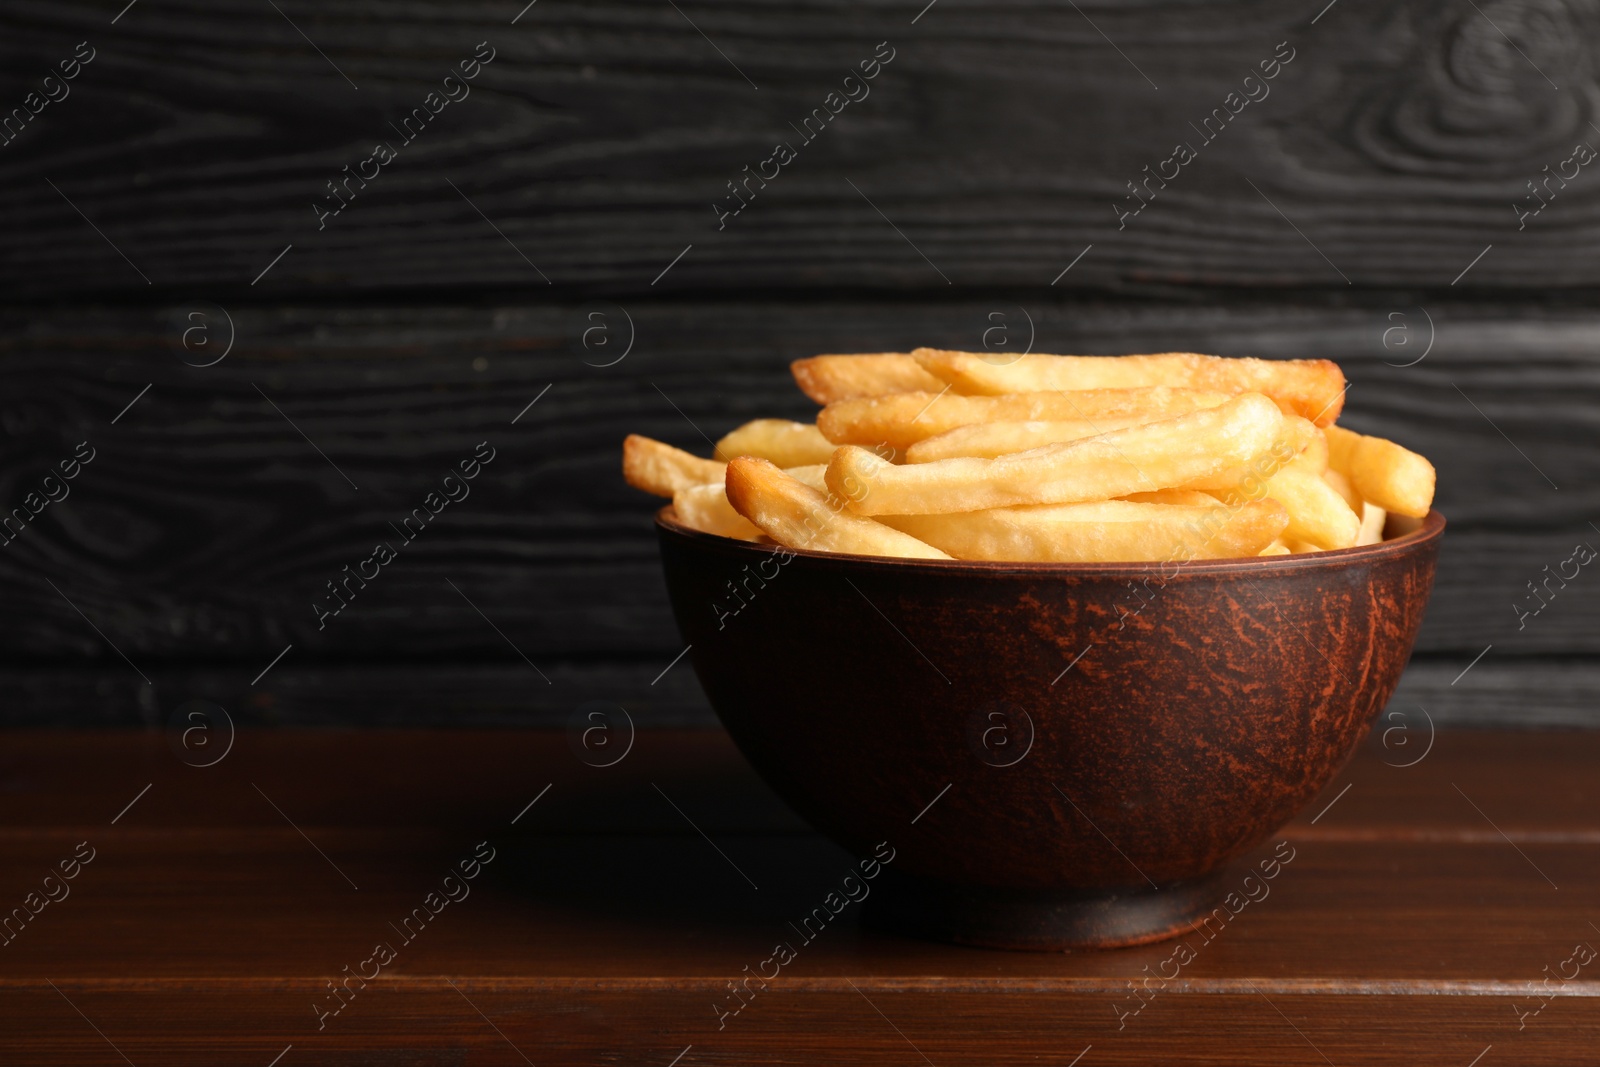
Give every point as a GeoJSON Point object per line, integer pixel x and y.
{"type": "Point", "coordinates": [1423, 910]}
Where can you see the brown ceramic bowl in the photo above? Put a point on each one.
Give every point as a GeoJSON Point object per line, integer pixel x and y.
{"type": "Point", "coordinates": [1058, 754]}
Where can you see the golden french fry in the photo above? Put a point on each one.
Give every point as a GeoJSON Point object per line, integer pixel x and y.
{"type": "Point", "coordinates": [706, 507]}
{"type": "Point", "coordinates": [1155, 455]}
{"type": "Point", "coordinates": [797, 516]}
{"type": "Point", "coordinates": [1394, 478]}
{"type": "Point", "coordinates": [1246, 479]}
{"type": "Point", "coordinates": [1187, 497]}
{"type": "Point", "coordinates": [904, 419]}
{"type": "Point", "coordinates": [987, 440]}
{"type": "Point", "coordinates": [779, 441]}
{"type": "Point", "coordinates": [1313, 458]}
{"type": "Point", "coordinates": [1342, 486]}
{"type": "Point", "coordinates": [1317, 513]}
{"type": "Point", "coordinates": [827, 379]}
{"type": "Point", "coordinates": [1311, 388]}
{"type": "Point", "coordinates": [1300, 548]}
{"type": "Point", "coordinates": [1105, 531]}
{"type": "Point", "coordinates": [813, 475]}
{"type": "Point", "coordinates": [1372, 521]}
{"type": "Point", "coordinates": [659, 468]}
{"type": "Point", "coordinates": [1277, 548]}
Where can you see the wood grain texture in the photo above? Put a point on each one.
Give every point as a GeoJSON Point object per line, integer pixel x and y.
{"type": "Point", "coordinates": [1405, 928]}
{"type": "Point", "coordinates": [502, 692]}
{"type": "Point", "coordinates": [837, 1025]}
{"type": "Point", "coordinates": [999, 143]}
{"type": "Point", "coordinates": [1434, 691]}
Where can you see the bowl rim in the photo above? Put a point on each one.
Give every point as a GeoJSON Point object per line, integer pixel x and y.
{"type": "Point", "coordinates": [1429, 533]}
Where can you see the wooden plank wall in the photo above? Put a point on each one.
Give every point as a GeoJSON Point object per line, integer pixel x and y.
{"type": "Point", "coordinates": [1370, 202]}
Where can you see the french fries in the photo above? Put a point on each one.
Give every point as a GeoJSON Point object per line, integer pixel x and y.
{"type": "Point", "coordinates": [1342, 486]}
{"type": "Point", "coordinates": [657, 467]}
{"type": "Point", "coordinates": [1102, 532]}
{"type": "Point", "coordinates": [783, 443]}
{"type": "Point", "coordinates": [826, 379]}
{"type": "Point", "coordinates": [902, 419]}
{"type": "Point", "coordinates": [706, 507]}
{"type": "Point", "coordinates": [1394, 478]}
{"type": "Point", "coordinates": [1311, 388]}
{"type": "Point", "coordinates": [1296, 436]}
{"type": "Point", "coordinates": [942, 455]}
{"type": "Point", "coordinates": [1373, 519]}
{"type": "Point", "coordinates": [1313, 459]}
{"type": "Point", "coordinates": [1318, 515]}
{"type": "Point", "coordinates": [988, 440]}
{"type": "Point", "coordinates": [1156, 455]}
{"type": "Point", "coordinates": [797, 516]}
{"type": "Point", "coordinates": [1188, 497]}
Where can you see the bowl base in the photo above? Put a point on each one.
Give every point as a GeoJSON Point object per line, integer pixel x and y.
{"type": "Point", "coordinates": [1041, 921]}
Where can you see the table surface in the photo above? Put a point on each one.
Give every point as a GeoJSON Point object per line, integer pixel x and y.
{"type": "Point", "coordinates": [1434, 913]}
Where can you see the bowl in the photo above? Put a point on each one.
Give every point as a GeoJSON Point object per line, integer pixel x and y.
{"type": "Point", "coordinates": [1054, 755]}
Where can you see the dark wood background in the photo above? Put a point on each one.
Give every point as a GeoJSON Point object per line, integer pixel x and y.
{"type": "Point", "coordinates": [1363, 211]}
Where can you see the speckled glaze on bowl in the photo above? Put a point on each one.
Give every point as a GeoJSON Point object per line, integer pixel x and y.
{"type": "Point", "coordinates": [1059, 754]}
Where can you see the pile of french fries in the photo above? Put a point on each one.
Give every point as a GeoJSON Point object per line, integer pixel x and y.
{"type": "Point", "coordinates": [1070, 459]}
